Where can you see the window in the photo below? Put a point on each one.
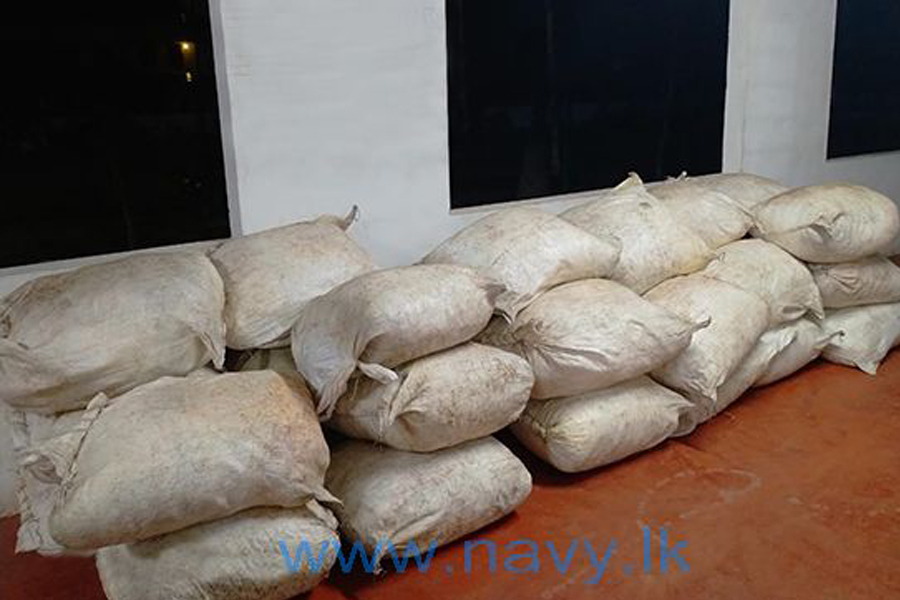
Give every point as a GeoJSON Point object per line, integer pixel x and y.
{"type": "Point", "coordinates": [109, 129]}
{"type": "Point", "coordinates": [865, 88]}
{"type": "Point", "coordinates": [549, 97]}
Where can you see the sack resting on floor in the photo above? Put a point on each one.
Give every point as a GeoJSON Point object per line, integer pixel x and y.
{"type": "Point", "coordinates": [397, 497]}
{"type": "Point", "coordinates": [237, 558]}
{"type": "Point", "coordinates": [598, 428]}
{"type": "Point", "coordinates": [865, 334]}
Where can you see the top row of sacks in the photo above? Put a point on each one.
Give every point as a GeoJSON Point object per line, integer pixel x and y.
{"type": "Point", "coordinates": [113, 326]}
{"type": "Point", "coordinates": [66, 337]}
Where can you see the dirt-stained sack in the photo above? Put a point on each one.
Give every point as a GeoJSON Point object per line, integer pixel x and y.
{"type": "Point", "coordinates": [269, 276]}
{"type": "Point", "coordinates": [37, 495]}
{"type": "Point", "coordinates": [529, 251]}
{"type": "Point", "coordinates": [715, 217]}
{"type": "Point", "coordinates": [872, 280]}
{"type": "Point", "coordinates": [771, 273]}
{"type": "Point", "coordinates": [831, 223]}
{"type": "Point", "coordinates": [107, 328]}
{"type": "Point", "coordinates": [440, 400]}
{"type": "Point", "coordinates": [591, 334]}
{"type": "Point", "coordinates": [866, 335]}
{"type": "Point", "coordinates": [182, 451]}
{"type": "Point", "coordinates": [237, 558]}
{"type": "Point", "coordinates": [395, 497]}
{"type": "Point", "coordinates": [655, 244]}
{"type": "Point", "coordinates": [598, 428]}
{"type": "Point", "coordinates": [771, 344]}
{"type": "Point", "coordinates": [736, 318]}
{"type": "Point", "coordinates": [385, 318]}
{"type": "Point", "coordinates": [806, 343]}
{"type": "Point", "coordinates": [746, 189]}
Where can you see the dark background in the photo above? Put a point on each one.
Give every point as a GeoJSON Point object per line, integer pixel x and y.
{"type": "Point", "coordinates": [558, 96]}
{"type": "Point", "coordinates": [104, 144]}
{"type": "Point", "coordinates": [865, 88]}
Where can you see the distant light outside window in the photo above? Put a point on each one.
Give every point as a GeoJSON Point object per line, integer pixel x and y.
{"type": "Point", "coordinates": [865, 89]}
{"type": "Point", "coordinates": [550, 97]}
{"type": "Point", "coordinates": [109, 129]}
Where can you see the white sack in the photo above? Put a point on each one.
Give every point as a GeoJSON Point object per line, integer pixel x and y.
{"type": "Point", "coordinates": [772, 274]}
{"type": "Point", "coordinates": [529, 251]}
{"type": "Point", "coordinates": [737, 318]}
{"type": "Point", "coordinates": [867, 334]}
{"type": "Point", "coordinates": [591, 334]}
{"type": "Point", "coordinates": [383, 319]}
{"type": "Point", "coordinates": [715, 217]}
{"type": "Point", "coordinates": [108, 328]}
{"type": "Point", "coordinates": [829, 223]}
{"type": "Point", "coordinates": [37, 497]}
{"type": "Point", "coordinates": [873, 280]}
{"type": "Point", "coordinates": [440, 400]}
{"type": "Point", "coordinates": [237, 558]}
{"type": "Point", "coordinates": [807, 340]}
{"type": "Point", "coordinates": [269, 276]}
{"type": "Point", "coordinates": [753, 366]}
{"type": "Point", "coordinates": [181, 451]}
{"type": "Point", "coordinates": [400, 497]}
{"type": "Point", "coordinates": [744, 188]}
{"type": "Point", "coordinates": [655, 245]}
{"type": "Point", "coordinates": [598, 428]}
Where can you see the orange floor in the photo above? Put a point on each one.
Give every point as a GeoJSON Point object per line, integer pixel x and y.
{"type": "Point", "coordinates": [794, 492]}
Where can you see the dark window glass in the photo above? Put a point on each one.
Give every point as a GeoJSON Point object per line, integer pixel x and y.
{"type": "Point", "coordinates": [109, 129]}
{"type": "Point", "coordinates": [865, 88]}
{"type": "Point", "coordinates": [549, 97]}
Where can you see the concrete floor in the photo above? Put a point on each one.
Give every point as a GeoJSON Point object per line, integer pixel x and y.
{"type": "Point", "coordinates": [792, 493]}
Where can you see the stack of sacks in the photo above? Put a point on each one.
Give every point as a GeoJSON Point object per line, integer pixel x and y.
{"type": "Point", "coordinates": [842, 230]}
{"type": "Point", "coordinates": [655, 244]}
{"type": "Point", "coordinates": [390, 357]}
{"type": "Point", "coordinates": [556, 305]}
{"type": "Point", "coordinates": [174, 471]}
{"type": "Point", "coordinates": [790, 292]}
{"type": "Point", "coordinates": [104, 328]}
{"type": "Point", "coordinates": [589, 342]}
{"type": "Point", "coordinates": [269, 276]}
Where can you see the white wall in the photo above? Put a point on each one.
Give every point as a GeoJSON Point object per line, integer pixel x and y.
{"type": "Point", "coordinates": [342, 102]}
{"type": "Point", "coordinates": [327, 103]}
{"type": "Point", "coordinates": [780, 67]}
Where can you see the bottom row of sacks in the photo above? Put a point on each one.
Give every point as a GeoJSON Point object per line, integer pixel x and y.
{"type": "Point", "coordinates": [388, 496]}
